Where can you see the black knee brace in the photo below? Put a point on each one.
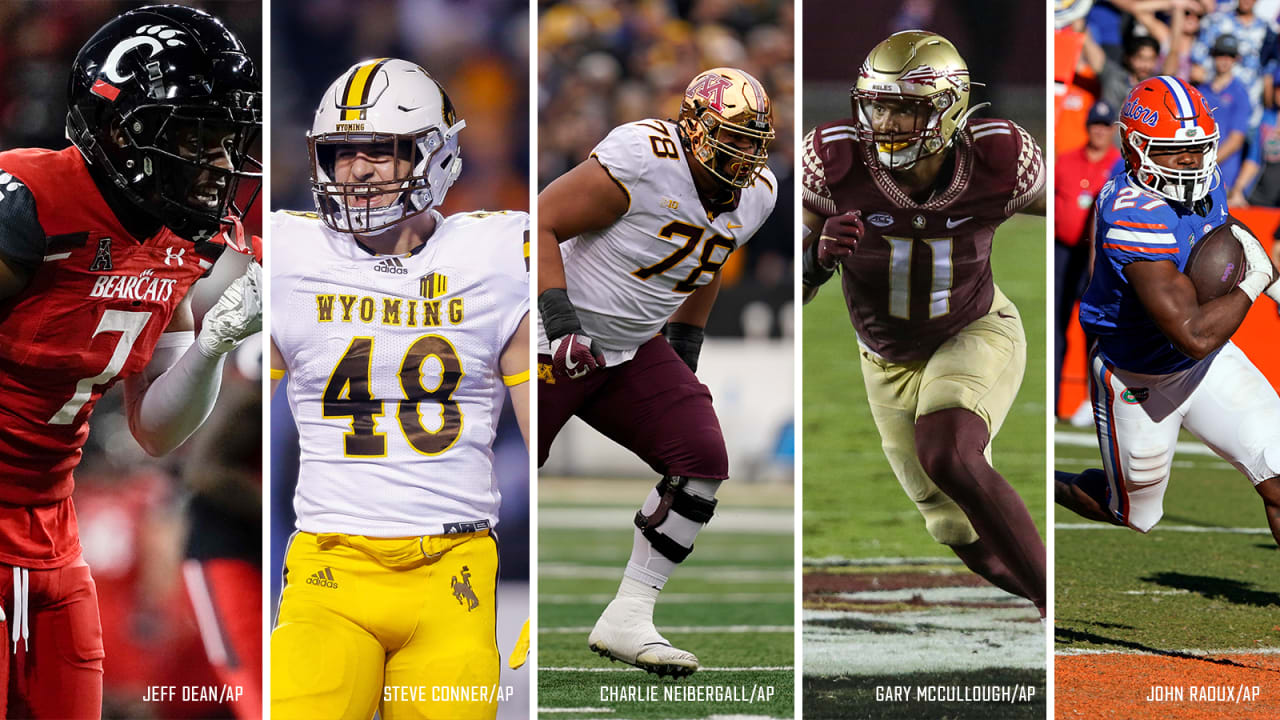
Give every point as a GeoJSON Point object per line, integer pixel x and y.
{"type": "Point", "coordinates": [673, 496]}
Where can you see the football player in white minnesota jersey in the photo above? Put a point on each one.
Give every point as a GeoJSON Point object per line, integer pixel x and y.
{"type": "Point", "coordinates": [630, 244]}
{"type": "Point", "coordinates": [400, 331]}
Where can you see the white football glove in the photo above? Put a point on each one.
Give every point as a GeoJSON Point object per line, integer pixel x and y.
{"type": "Point", "coordinates": [1257, 273]}
{"type": "Point", "coordinates": [236, 315]}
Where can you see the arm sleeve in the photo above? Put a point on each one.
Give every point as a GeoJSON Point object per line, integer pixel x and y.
{"type": "Point", "coordinates": [21, 237]}
{"type": "Point", "coordinates": [815, 195]}
{"type": "Point", "coordinates": [1029, 172]}
{"type": "Point", "coordinates": [173, 395]}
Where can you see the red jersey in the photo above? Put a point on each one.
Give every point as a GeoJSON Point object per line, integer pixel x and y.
{"type": "Point", "coordinates": [1076, 184]}
{"type": "Point", "coordinates": [96, 305]}
{"type": "Point", "coordinates": [922, 272]}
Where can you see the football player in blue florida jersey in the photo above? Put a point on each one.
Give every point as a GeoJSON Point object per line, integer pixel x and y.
{"type": "Point", "coordinates": [1161, 360]}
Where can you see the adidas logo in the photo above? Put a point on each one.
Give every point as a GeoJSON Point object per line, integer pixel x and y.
{"type": "Point", "coordinates": [324, 578]}
{"type": "Point", "coordinates": [391, 265]}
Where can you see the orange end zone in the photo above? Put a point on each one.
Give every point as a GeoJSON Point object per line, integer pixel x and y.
{"type": "Point", "coordinates": [1119, 685]}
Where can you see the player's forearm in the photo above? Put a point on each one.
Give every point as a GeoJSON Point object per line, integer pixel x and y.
{"type": "Point", "coordinates": [1211, 326]}
{"type": "Point", "coordinates": [550, 264]}
{"type": "Point", "coordinates": [1233, 143]}
{"type": "Point", "coordinates": [696, 309]}
{"type": "Point", "coordinates": [164, 412]}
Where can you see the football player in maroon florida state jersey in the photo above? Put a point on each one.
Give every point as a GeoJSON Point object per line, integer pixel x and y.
{"type": "Point", "coordinates": [99, 244]}
{"type": "Point", "coordinates": [904, 199]}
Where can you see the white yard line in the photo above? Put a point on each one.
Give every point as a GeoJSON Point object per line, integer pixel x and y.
{"type": "Point", "coordinates": [669, 598]}
{"type": "Point", "coordinates": [614, 572]}
{"type": "Point", "coordinates": [758, 668]}
{"type": "Point", "coordinates": [1167, 528]}
{"type": "Point", "coordinates": [684, 629]}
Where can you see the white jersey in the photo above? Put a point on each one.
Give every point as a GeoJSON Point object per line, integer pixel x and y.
{"type": "Point", "coordinates": [626, 280]}
{"type": "Point", "coordinates": [393, 370]}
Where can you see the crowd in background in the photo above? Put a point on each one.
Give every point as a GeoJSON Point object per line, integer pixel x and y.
{"type": "Point", "coordinates": [603, 64]}
{"type": "Point", "coordinates": [1229, 51]}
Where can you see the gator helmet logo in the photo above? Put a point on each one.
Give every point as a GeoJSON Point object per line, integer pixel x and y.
{"type": "Point", "coordinates": [462, 590]}
{"type": "Point", "coordinates": [1134, 396]}
{"type": "Point", "coordinates": [711, 88]}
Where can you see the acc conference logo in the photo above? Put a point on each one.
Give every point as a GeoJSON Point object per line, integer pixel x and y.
{"type": "Point", "coordinates": [1137, 111]}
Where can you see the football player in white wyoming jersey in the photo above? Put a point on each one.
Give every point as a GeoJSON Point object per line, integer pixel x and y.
{"type": "Point", "coordinates": [630, 241]}
{"type": "Point", "coordinates": [400, 331]}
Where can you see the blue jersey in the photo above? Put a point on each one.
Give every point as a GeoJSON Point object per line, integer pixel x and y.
{"type": "Point", "coordinates": [1135, 225]}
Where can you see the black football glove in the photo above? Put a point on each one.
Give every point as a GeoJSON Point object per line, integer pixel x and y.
{"type": "Point", "coordinates": [839, 238]}
{"type": "Point", "coordinates": [686, 340]}
{"type": "Point", "coordinates": [573, 353]}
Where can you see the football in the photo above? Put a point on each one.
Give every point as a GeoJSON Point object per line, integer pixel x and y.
{"type": "Point", "coordinates": [1216, 264]}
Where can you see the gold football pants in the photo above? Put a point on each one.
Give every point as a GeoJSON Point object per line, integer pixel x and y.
{"type": "Point", "coordinates": [405, 626]}
{"type": "Point", "coordinates": [979, 369]}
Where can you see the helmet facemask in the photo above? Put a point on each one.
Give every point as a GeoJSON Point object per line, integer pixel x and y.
{"type": "Point", "coordinates": [901, 129]}
{"type": "Point", "coordinates": [430, 159]}
{"type": "Point", "coordinates": [734, 154]}
{"type": "Point", "coordinates": [1186, 186]}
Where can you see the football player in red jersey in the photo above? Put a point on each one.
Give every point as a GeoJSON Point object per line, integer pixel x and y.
{"type": "Point", "coordinates": [904, 199]}
{"type": "Point", "coordinates": [99, 244]}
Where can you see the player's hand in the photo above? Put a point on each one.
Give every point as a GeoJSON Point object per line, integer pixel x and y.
{"type": "Point", "coordinates": [840, 236]}
{"type": "Point", "coordinates": [1259, 273]}
{"type": "Point", "coordinates": [573, 353]}
{"type": "Point", "coordinates": [236, 315]}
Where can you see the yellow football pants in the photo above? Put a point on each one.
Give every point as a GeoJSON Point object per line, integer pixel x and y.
{"type": "Point", "coordinates": [979, 369]}
{"type": "Point", "coordinates": [405, 626]}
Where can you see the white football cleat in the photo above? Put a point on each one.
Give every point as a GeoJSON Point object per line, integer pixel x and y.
{"type": "Point", "coordinates": [625, 632]}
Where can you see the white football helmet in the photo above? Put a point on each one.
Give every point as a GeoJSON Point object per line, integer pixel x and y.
{"type": "Point", "coordinates": [396, 104]}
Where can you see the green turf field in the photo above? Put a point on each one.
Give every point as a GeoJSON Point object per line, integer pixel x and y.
{"type": "Point", "coordinates": [853, 506]}
{"type": "Point", "coordinates": [731, 603]}
{"type": "Point", "coordinates": [1207, 577]}
{"type": "Point", "coordinates": [940, 632]}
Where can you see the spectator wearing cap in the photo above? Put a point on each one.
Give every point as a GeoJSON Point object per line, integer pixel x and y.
{"type": "Point", "coordinates": [1078, 178]}
{"type": "Point", "coordinates": [1255, 49]}
{"type": "Point", "coordinates": [1232, 107]}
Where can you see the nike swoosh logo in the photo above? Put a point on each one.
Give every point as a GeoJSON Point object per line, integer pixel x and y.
{"type": "Point", "coordinates": [957, 223]}
{"type": "Point", "coordinates": [1007, 317]}
{"type": "Point", "coordinates": [569, 364]}
{"type": "Point", "coordinates": [409, 108]}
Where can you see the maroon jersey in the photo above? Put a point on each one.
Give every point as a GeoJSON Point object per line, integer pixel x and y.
{"type": "Point", "coordinates": [96, 305]}
{"type": "Point", "coordinates": [922, 272]}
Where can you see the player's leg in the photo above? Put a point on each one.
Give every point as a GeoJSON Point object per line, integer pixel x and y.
{"type": "Point", "coordinates": [453, 653]}
{"type": "Point", "coordinates": [1235, 411]}
{"type": "Point", "coordinates": [1137, 418]}
{"type": "Point", "coordinates": [559, 400]}
{"type": "Point", "coordinates": [324, 663]}
{"type": "Point", "coordinates": [61, 666]}
{"type": "Point", "coordinates": [891, 396]}
{"type": "Point", "coordinates": [226, 594]}
{"type": "Point", "coordinates": [655, 406]}
{"type": "Point", "coordinates": [1269, 489]}
{"type": "Point", "coordinates": [965, 393]}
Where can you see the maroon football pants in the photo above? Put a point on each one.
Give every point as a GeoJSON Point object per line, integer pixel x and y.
{"type": "Point", "coordinates": [653, 405]}
{"type": "Point", "coordinates": [57, 672]}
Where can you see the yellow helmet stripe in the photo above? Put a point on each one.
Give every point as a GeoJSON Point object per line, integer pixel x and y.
{"type": "Point", "coordinates": [357, 90]}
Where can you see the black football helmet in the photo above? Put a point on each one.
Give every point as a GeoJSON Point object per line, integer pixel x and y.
{"type": "Point", "coordinates": [167, 103]}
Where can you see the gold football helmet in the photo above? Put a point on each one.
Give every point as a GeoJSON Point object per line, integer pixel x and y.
{"type": "Point", "coordinates": [911, 97]}
{"type": "Point", "coordinates": [727, 120]}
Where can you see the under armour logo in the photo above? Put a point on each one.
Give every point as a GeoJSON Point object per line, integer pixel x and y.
{"type": "Point", "coordinates": [172, 258]}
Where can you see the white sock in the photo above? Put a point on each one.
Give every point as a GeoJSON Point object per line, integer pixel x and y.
{"type": "Point", "coordinates": [647, 565]}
